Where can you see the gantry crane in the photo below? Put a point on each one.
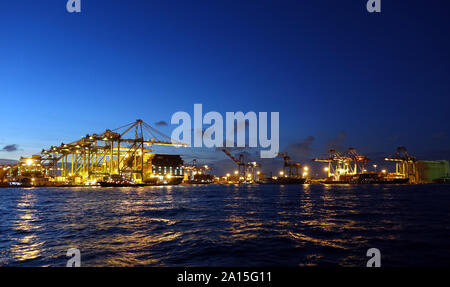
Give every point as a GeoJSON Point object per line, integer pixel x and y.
{"type": "Point", "coordinates": [253, 171]}
{"type": "Point", "coordinates": [359, 161]}
{"type": "Point", "coordinates": [193, 170]}
{"type": "Point", "coordinates": [338, 165]}
{"type": "Point", "coordinates": [246, 171]}
{"type": "Point", "coordinates": [125, 151]}
{"type": "Point", "coordinates": [405, 165]}
{"type": "Point", "coordinates": [242, 169]}
{"type": "Point", "coordinates": [341, 164]}
{"type": "Point", "coordinates": [290, 169]}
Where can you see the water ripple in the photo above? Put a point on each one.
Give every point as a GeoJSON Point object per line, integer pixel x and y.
{"type": "Point", "coordinates": [226, 225]}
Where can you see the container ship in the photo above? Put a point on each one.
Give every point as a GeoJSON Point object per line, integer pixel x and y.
{"type": "Point", "coordinates": [195, 173]}
{"type": "Point", "coordinates": [282, 181]}
{"type": "Point", "coordinates": [366, 178]}
{"type": "Point", "coordinates": [350, 168]}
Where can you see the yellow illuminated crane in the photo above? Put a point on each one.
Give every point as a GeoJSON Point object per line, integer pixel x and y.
{"type": "Point", "coordinates": [405, 165]}
{"type": "Point", "coordinates": [359, 161]}
{"type": "Point", "coordinates": [124, 151]}
{"type": "Point", "coordinates": [338, 165]}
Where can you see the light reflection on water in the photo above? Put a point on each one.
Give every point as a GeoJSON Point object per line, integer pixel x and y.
{"type": "Point", "coordinates": [225, 225]}
{"type": "Point", "coordinates": [26, 244]}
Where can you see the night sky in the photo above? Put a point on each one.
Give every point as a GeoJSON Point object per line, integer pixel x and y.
{"type": "Point", "coordinates": [338, 75]}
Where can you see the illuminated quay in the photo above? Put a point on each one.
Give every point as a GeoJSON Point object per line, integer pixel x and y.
{"type": "Point", "coordinates": [124, 157]}
{"type": "Point", "coordinates": [123, 153]}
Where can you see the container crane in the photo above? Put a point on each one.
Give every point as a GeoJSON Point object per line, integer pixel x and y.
{"type": "Point", "coordinates": [121, 151]}
{"type": "Point", "coordinates": [338, 165]}
{"type": "Point", "coordinates": [195, 173]}
{"type": "Point", "coordinates": [246, 171]}
{"type": "Point", "coordinates": [242, 167]}
{"type": "Point", "coordinates": [290, 169]}
{"type": "Point", "coordinates": [405, 165]}
{"type": "Point", "coordinates": [359, 161]}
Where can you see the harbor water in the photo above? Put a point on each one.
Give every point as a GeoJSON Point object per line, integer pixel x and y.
{"type": "Point", "coordinates": [226, 225]}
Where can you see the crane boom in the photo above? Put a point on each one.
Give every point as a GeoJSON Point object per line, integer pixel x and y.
{"type": "Point", "coordinates": [232, 157]}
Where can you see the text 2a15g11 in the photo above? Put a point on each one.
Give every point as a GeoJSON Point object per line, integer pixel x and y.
{"type": "Point", "coordinates": [246, 276]}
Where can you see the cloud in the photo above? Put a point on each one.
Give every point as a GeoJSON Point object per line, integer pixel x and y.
{"type": "Point", "coordinates": [10, 148]}
{"type": "Point", "coordinates": [337, 142]}
{"type": "Point", "coordinates": [301, 150]}
{"type": "Point", "coordinates": [161, 124]}
{"type": "Point", "coordinates": [8, 161]}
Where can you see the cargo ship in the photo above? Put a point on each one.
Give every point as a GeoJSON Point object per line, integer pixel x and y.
{"type": "Point", "coordinates": [380, 178]}
{"type": "Point", "coordinates": [282, 181]}
{"type": "Point", "coordinates": [200, 179]}
{"type": "Point", "coordinates": [123, 182]}
{"type": "Point", "coordinates": [366, 178]}
{"type": "Point", "coordinates": [161, 169]}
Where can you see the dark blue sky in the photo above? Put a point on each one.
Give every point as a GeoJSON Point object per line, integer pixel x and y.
{"type": "Point", "coordinates": [332, 70]}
